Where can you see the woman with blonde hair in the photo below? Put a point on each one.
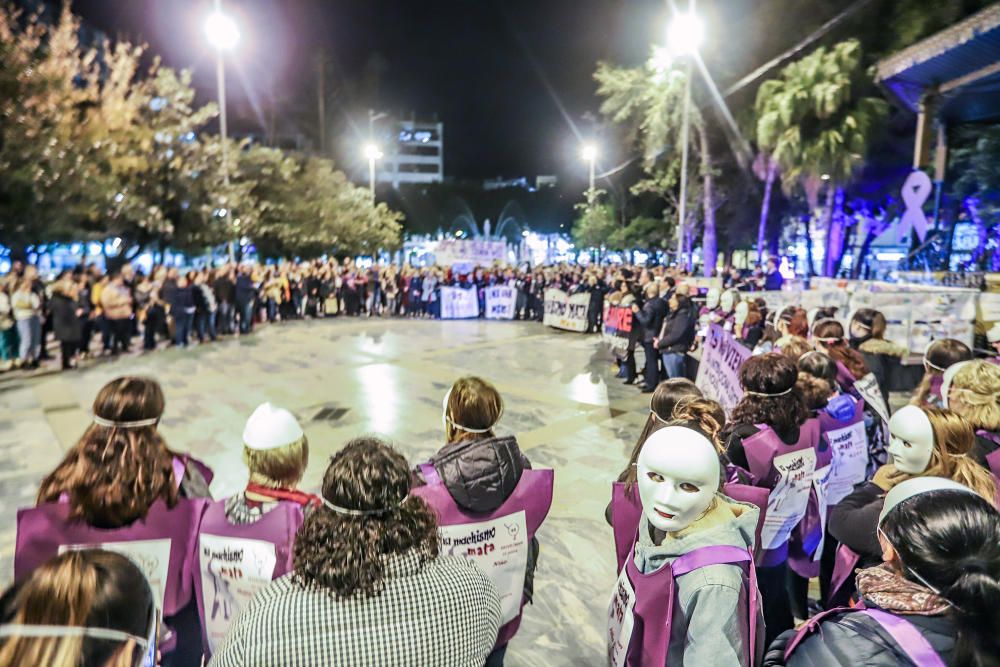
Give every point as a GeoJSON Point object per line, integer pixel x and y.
{"type": "Point", "coordinates": [83, 608]}
{"type": "Point", "coordinates": [973, 391]}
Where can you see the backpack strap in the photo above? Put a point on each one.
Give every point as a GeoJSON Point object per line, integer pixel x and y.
{"type": "Point", "coordinates": [808, 628]}
{"type": "Point", "coordinates": [914, 645]}
{"type": "Point", "coordinates": [430, 474]}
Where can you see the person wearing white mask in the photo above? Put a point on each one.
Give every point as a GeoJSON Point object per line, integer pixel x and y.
{"type": "Point", "coordinates": [931, 601]}
{"type": "Point", "coordinates": [924, 442]}
{"type": "Point", "coordinates": [687, 525]}
{"type": "Point", "coordinates": [727, 307]}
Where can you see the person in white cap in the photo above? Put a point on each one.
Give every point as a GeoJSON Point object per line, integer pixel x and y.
{"type": "Point", "coordinates": [247, 540]}
{"type": "Point", "coordinates": [931, 602]}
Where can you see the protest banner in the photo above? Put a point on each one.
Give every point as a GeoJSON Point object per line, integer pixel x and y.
{"type": "Point", "coordinates": [476, 253]}
{"type": "Point", "coordinates": [458, 303]}
{"type": "Point", "coordinates": [566, 312]}
{"type": "Point", "coordinates": [719, 371]}
{"type": "Point", "coordinates": [500, 302]}
{"type": "Point", "coordinates": [617, 328]}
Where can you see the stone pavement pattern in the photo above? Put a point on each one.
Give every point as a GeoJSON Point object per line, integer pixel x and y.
{"type": "Point", "coordinates": [344, 378]}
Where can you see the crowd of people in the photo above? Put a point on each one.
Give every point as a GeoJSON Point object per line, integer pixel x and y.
{"type": "Point", "coordinates": [390, 562]}
{"type": "Point", "coordinates": [88, 311]}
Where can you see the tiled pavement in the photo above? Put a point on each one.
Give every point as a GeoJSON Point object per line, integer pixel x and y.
{"type": "Point", "coordinates": [348, 377]}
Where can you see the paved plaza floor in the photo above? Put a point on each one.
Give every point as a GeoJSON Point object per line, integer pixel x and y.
{"type": "Point", "coordinates": [349, 377]}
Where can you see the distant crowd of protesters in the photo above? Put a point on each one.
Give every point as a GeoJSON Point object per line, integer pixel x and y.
{"type": "Point", "coordinates": [86, 303]}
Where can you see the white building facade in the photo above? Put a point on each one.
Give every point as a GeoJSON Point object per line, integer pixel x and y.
{"type": "Point", "coordinates": [413, 152]}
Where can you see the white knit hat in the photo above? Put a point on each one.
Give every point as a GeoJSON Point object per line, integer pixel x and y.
{"type": "Point", "coordinates": [270, 427]}
{"type": "Point", "coordinates": [914, 487]}
{"type": "Point", "coordinates": [993, 335]}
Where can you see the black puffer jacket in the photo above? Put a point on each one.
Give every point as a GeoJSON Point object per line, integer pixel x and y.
{"type": "Point", "coordinates": [480, 475]}
{"type": "Point", "coordinates": [851, 639]}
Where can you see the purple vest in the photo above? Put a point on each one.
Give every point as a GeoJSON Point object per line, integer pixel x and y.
{"type": "Point", "coordinates": [850, 464]}
{"type": "Point", "coordinates": [843, 568]}
{"type": "Point", "coordinates": [993, 458]}
{"type": "Point", "coordinates": [642, 606]}
{"type": "Point", "coordinates": [626, 512]}
{"type": "Point", "coordinates": [845, 378]}
{"type": "Point", "coordinates": [907, 638]}
{"type": "Point", "coordinates": [762, 450]}
{"type": "Point", "coordinates": [237, 560]}
{"type": "Point", "coordinates": [530, 503]}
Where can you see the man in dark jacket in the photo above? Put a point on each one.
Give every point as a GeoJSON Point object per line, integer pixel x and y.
{"type": "Point", "coordinates": [677, 335]}
{"type": "Point", "coordinates": [225, 297]}
{"type": "Point", "coordinates": [246, 292]}
{"type": "Point", "coordinates": [650, 316]}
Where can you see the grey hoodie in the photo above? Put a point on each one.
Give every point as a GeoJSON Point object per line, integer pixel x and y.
{"type": "Point", "coordinates": [707, 629]}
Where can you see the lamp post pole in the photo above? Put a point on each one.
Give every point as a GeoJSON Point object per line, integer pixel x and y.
{"type": "Point", "coordinates": [685, 129]}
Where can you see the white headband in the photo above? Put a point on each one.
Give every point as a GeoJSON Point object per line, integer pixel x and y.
{"type": "Point", "coordinates": [349, 512]}
{"type": "Point", "coordinates": [447, 418]}
{"type": "Point", "coordinates": [101, 421]}
{"type": "Point", "coordinates": [761, 393]}
{"type": "Point", "coordinates": [26, 630]}
{"type": "Point", "coordinates": [933, 365]}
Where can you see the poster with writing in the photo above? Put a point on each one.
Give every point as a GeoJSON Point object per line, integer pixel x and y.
{"type": "Point", "coordinates": [617, 328]}
{"type": "Point", "coordinates": [719, 370]}
{"type": "Point", "coordinates": [621, 618]}
{"type": "Point", "coordinates": [150, 556]}
{"type": "Point", "coordinates": [499, 547]}
{"type": "Point", "coordinates": [232, 571]}
{"type": "Point", "coordinates": [849, 446]}
{"type": "Point", "coordinates": [475, 253]}
{"type": "Point", "coordinates": [500, 302]}
{"type": "Point", "coordinates": [566, 312]}
{"type": "Point", "coordinates": [788, 500]}
{"type": "Point", "coordinates": [458, 303]}
{"type": "Point", "coordinates": [869, 391]}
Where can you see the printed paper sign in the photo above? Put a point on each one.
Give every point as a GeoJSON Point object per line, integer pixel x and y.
{"type": "Point", "coordinates": [499, 547]}
{"type": "Point", "coordinates": [869, 390]}
{"type": "Point", "coordinates": [788, 500]}
{"type": "Point", "coordinates": [500, 302]}
{"type": "Point", "coordinates": [850, 460]}
{"type": "Point", "coordinates": [719, 370]}
{"type": "Point", "coordinates": [821, 481]}
{"type": "Point", "coordinates": [566, 312]}
{"type": "Point", "coordinates": [232, 571]}
{"type": "Point", "coordinates": [150, 556]}
{"type": "Point", "coordinates": [621, 618]}
{"type": "Point", "coordinates": [458, 303]}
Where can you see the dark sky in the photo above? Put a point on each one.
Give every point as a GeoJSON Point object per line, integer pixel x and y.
{"type": "Point", "coordinates": [478, 64]}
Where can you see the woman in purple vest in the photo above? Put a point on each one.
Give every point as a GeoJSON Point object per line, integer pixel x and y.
{"type": "Point", "coordinates": [974, 393]}
{"type": "Point", "coordinates": [940, 355]}
{"type": "Point", "coordinates": [87, 608]}
{"type": "Point", "coordinates": [369, 586]}
{"type": "Point", "coordinates": [480, 469]}
{"type": "Point", "coordinates": [772, 442]}
{"type": "Point", "coordinates": [258, 524]}
{"type": "Point", "coordinates": [933, 600]}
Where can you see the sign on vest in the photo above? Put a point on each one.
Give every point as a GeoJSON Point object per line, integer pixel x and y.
{"type": "Point", "coordinates": [499, 547]}
{"type": "Point", "coordinates": [232, 571]}
{"type": "Point", "coordinates": [789, 498]}
{"type": "Point", "coordinates": [152, 557]}
{"type": "Point", "coordinates": [869, 390]}
{"type": "Point", "coordinates": [850, 460]}
{"type": "Point", "coordinates": [621, 613]}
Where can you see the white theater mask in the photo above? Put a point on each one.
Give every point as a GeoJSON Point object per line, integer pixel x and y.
{"type": "Point", "coordinates": [728, 300]}
{"type": "Point", "coordinates": [911, 441]}
{"type": "Point", "coordinates": [678, 476]}
{"type": "Point", "coordinates": [742, 312]}
{"type": "Point", "coordinates": [712, 298]}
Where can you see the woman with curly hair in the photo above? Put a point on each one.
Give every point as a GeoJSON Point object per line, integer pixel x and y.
{"type": "Point", "coordinates": [772, 442]}
{"type": "Point", "coordinates": [368, 584]}
{"type": "Point", "coordinates": [120, 483]}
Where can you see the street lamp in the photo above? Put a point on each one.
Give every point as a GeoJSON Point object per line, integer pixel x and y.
{"type": "Point", "coordinates": [684, 35]}
{"type": "Point", "coordinates": [589, 154]}
{"type": "Point", "coordinates": [223, 34]}
{"type": "Point", "coordinates": [373, 153]}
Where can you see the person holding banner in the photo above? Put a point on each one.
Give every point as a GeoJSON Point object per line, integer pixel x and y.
{"type": "Point", "coordinates": [932, 598]}
{"type": "Point", "coordinates": [772, 442]}
{"type": "Point", "coordinates": [91, 608]}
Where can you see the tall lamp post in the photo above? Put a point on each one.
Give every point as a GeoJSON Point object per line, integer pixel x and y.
{"type": "Point", "coordinates": [684, 36]}
{"type": "Point", "coordinates": [589, 154]}
{"type": "Point", "coordinates": [222, 34]}
{"type": "Point", "coordinates": [373, 153]}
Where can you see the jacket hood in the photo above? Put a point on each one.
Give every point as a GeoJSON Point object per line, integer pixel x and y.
{"type": "Point", "coordinates": [840, 408]}
{"type": "Point", "coordinates": [731, 523]}
{"type": "Point", "coordinates": [480, 474]}
{"type": "Point", "coordinates": [878, 346]}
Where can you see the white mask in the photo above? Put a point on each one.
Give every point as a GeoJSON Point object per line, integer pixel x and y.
{"type": "Point", "coordinates": [742, 311]}
{"type": "Point", "coordinates": [678, 476]}
{"type": "Point", "coordinates": [728, 300]}
{"type": "Point", "coordinates": [911, 441]}
{"type": "Point", "coordinates": [947, 378]}
{"type": "Point", "coordinates": [712, 299]}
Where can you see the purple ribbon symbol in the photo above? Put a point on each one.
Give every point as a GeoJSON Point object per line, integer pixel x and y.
{"type": "Point", "coordinates": [916, 190]}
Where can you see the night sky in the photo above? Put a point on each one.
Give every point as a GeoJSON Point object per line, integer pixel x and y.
{"type": "Point", "coordinates": [480, 65]}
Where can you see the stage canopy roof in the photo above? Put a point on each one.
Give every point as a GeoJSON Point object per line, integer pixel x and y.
{"type": "Point", "coordinates": [961, 65]}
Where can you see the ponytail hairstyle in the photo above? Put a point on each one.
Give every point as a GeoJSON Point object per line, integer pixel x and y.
{"type": "Point", "coordinates": [661, 412]}
{"type": "Point", "coordinates": [952, 457]}
{"type": "Point", "coordinates": [950, 540]}
{"type": "Point", "coordinates": [814, 391]}
{"type": "Point", "coordinates": [121, 465]}
{"type": "Point", "coordinates": [795, 321]}
{"type": "Point", "coordinates": [975, 394]}
{"type": "Point", "coordinates": [472, 408]}
{"type": "Point", "coordinates": [941, 354]}
{"type": "Point", "coordinates": [872, 321]}
{"type": "Point", "coordinates": [769, 394]}
{"type": "Point", "coordinates": [79, 590]}
{"type": "Point", "coordinates": [830, 335]}
{"type": "Point", "coordinates": [819, 366]}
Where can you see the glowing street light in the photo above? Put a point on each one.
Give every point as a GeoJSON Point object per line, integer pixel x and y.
{"type": "Point", "coordinates": [589, 154]}
{"type": "Point", "coordinates": [685, 34]}
{"type": "Point", "coordinates": [223, 34]}
{"type": "Point", "coordinates": [221, 31]}
{"type": "Point", "coordinates": [373, 153]}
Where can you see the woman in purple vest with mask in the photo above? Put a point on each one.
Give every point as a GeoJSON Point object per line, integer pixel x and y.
{"type": "Point", "coordinates": [772, 442]}
{"type": "Point", "coordinates": [933, 600]}
{"type": "Point", "coordinates": [120, 484]}
{"type": "Point", "coordinates": [480, 470]}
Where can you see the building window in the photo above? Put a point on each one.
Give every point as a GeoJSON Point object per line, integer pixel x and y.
{"type": "Point", "coordinates": [418, 169]}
